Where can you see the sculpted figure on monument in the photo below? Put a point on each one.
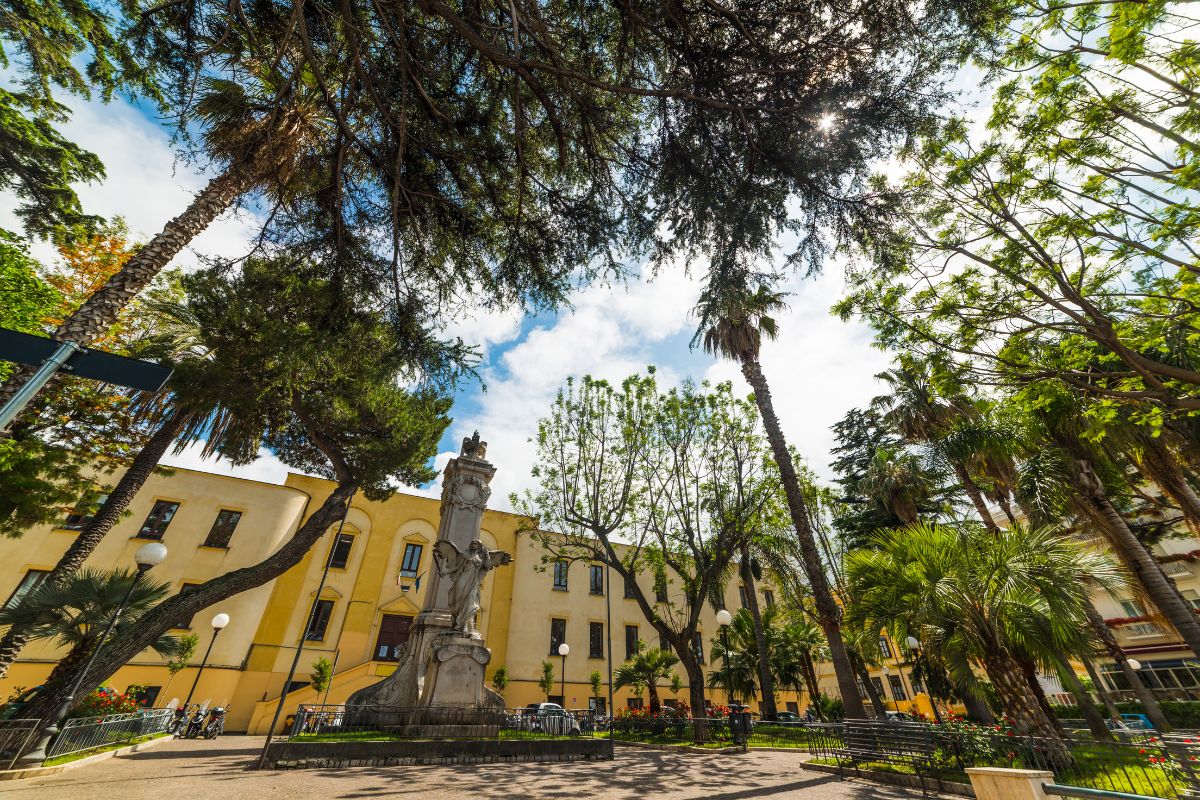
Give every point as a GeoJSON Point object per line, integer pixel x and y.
{"type": "Point", "coordinates": [466, 571]}
{"type": "Point", "coordinates": [473, 448]}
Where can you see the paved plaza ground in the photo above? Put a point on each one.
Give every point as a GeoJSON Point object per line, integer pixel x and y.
{"type": "Point", "coordinates": [201, 770]}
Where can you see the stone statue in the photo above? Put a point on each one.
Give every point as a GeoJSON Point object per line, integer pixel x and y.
{"type": "Point", "coordinates": [465, 572]}
{"type": "Point", "coordinates": [473, 448]}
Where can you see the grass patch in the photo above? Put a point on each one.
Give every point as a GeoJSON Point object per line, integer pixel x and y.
{"type": "Point", "coordinates": [69, 757]}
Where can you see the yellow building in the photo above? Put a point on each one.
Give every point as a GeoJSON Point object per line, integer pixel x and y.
{"type": "Point", "coordinates": [212, 524]}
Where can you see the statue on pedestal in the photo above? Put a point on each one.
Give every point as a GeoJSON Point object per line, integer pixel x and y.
{"type": "Point", "coordinates": [466, 572]}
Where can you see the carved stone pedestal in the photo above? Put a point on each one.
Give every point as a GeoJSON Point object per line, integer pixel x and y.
{"type": "Point", "coordinates": [454, 674]}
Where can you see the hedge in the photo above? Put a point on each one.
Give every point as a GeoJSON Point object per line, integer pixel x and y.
{"type": "Point", "coordinates": [1180, 713]}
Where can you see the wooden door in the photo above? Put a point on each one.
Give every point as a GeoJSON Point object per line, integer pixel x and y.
{"type": "Point", "coordinates": [393, 632]}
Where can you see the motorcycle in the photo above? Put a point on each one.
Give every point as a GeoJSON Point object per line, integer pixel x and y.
{"type": "Point", "coordinates": [216, 723]}
{"type": "Point", "coordinates": [195, 724]}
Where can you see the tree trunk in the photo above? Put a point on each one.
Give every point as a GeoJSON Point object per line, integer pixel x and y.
{"type": "Point", "coordinates": [809, 671]}
{"type": "Point", "coordinates": [766, 681]}
{"type": "Point", "coordinates": [1029, 670]}
{"type": "Point", "coordinates": [1020, 703]}
{"type": "Point", "coordinates": [98, 526]}
{"type": "Point", "coordinates": [1005, 506]}
{"type": "Point", "coordinates": [1091, 714]}
{"type": "Point", "coordinates": [652, 688]}
{"type": "Point", "coordinates": [973, 491]}
{"type": "Point", "coordinates": [977, 708]}
{"type": "Point", "coordinates": [163, 617]}
{"type": "Point", "coordinates": [828, 612]}
{"type": "Point", "coordinates": [1106, 637]}
{"type": "Point", "coordinates": [877, 704]}
{"type": "Point", "coordinates": [99, 312]}
{"type": "Point", "coordinates": [1114, 713]}
{"type": "Point", "coordinates": [1159, 588]}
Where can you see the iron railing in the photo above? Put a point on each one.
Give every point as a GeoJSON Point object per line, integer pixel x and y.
{"type": "Point", "coordinates": [371, 722]}
{"type": "Point", "coordinates": [15, 737]}
{"type": "Point", "coordinates": [89, 733]}
{"type": "Point", "coordinates": [1157, 767]}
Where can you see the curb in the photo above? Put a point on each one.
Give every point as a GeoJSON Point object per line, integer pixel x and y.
{"type": "Point", "coordinates": [682, 748]}
{"type": "Point", "coordinates": [39, 772]}
{"type": "Point", "coordinates": [894, 779]}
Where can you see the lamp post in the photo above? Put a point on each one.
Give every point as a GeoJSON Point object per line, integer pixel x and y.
{"type": "Point", "coordinates": [1133, 663]}
{"type": "Point", "coordinates": [218, 624]}
{"type": "Point", "coordinates": [724, 618]}
{"type": "Point", "coordinates": [563, 649]}
{"type": "Point", "coordinates": [914, 646]}
{"type": "Point", "coordinates": [148, 556]}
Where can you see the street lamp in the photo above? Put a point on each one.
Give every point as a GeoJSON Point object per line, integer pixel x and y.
{"type": "Point", "coordinates": [219, 622]}
{"type": "Point", "coordinates": [148, 556]}
{"type": "Point", "coordinates": [563, 649]}
{"type": "Point", "coordinates": [914, 647]}
{"type": "Point", "coordinates": [724, 618]}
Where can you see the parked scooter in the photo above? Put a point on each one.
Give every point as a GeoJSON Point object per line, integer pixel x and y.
{"type": "Point", "coordinates": [195, 724]}
{"type": "Point", "coordinates": [216, 723]}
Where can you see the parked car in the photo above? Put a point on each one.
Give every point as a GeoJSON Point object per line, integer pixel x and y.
{"type": "Point", "coordinates": [554, 719]}
{"type": "Point", "coordinates": [900, 716]}
{"type": "Point", "coordinates": [788, 716]}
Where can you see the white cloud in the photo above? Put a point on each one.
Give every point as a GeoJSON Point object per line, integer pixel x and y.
{"type": "Point", "coordinates": [267, 468]}
{"type": "Point", "coordinates": [145, 182]}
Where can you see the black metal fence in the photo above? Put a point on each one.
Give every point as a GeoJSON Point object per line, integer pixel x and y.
{"type": "Point", "coordinates": [16, 735]}
{"type": "Point", "coordinates": [367, 722]}
{"type": "Point", "coordinates": [1159, 767]}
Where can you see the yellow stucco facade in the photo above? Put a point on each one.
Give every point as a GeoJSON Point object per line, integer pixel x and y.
{"type": "Point", "coordinates": [368, 599]}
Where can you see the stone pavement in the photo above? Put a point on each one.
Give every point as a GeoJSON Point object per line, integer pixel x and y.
{"type": "Point", "coordinates": [203, 770]}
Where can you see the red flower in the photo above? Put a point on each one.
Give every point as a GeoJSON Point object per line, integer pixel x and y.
{"type": "Point", "coordinates": [1142, 750]}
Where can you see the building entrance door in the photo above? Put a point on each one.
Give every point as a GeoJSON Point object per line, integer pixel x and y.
{"type": "Point", "coordinates": [393, 632]}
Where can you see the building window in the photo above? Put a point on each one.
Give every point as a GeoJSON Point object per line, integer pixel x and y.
{"type": "Point", "coordinates": [793, 707]}
{"type": "Point", "coordinates": [558, 634]}
{"type": "Point", "coordinates": [698, 647]}
{"type": "Point", "coordinates": [339, 556]}
{"type": "Point", "coordinates": [160, 517]}
{"type": "Point", "coordinates": [631, 641]}
{"type": "Point", "coordinates": [411, 561]}
{"type": "Point", "coordinates": [1193, 598]}
{"type": "Point", "coordinates": [885, 647]}
{"type": "Point", "coordinates": [146, 695]}
{"type": "Point", "coordinates": [319, 621]}
{"type": "Point", "coordinates": [897, 686]}
{"type": "Point", "coordinates": [560, 575]}
{"type": "Point", "coordinates": [663, 644]}
{"type": "Point", "coordinates": [1133, 608]}
{"type": "Point", "coordinates": [222, 528]}
{"type": "Point", "coordinates": [769, 596]}
{"type": "Point", "coordinates": [596, 579]}
{"type": "Point", "coordinates": [30, 582]}
{"type": "Point", "coordinates": [878, 684]}
{"type": "Point", "coordinates": [75, 521]}
{"type": "Point", "coordinates": [186, 622]}
{"type": "Point", "coordinates": [629, 584]}
{"type": "Point", "coordinates": [634, 702]}
{"type": "Point", "coordinates": [595, 640]}
{"type": "Point", "coordinates": [660, 588]}
{"type": "Point", "coordinates": [918, 687]}
{"type": "Point", "coordinates": [742, 597]}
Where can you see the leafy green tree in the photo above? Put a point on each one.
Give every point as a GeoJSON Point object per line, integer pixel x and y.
{"type": "Point", "coordinates": [500, 678]}
{"type": "Point", "coordinates": [978, 596]}
{"type": "Point", "coordinates": [177, 663]}
{"type": "Point", "coordinates": [645, 670]}
{"type": "Point", "coordinates": [596, 681]}
{"type": "Point", "coordinates": [546, 682]}
{"type": "Point", "coordinates": [680, 479]}
{"type": "Point", "coordinates": [321, 675]}
{"type": "Point", "coordinates": [300, 368]}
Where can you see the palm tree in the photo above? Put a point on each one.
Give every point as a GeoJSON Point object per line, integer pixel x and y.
{"type": "Point", "coordinates": [74, 613]}
{"type": "Point", "coordinates": [979, 596]}
{"type": "Point", "coordinates": [736, 669]}
{"type": "Point", "coordinates": [749, 569]}
{"type": "Point", "coordinates": [920, 416]}
{"type": "Point", "coordinates": [265, 132]}
{"type": "Point", "coordinates": [645, 670]}
{"type": "Point", "coordinates": [734, 318]}
{"type": "Point", "coordinates": [794, 661]}
{"type": "Point", "coordinates": [899, 484]}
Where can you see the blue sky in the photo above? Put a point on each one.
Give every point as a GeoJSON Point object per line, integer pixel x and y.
{"type": "Point", "coordinates": [818, 369]}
